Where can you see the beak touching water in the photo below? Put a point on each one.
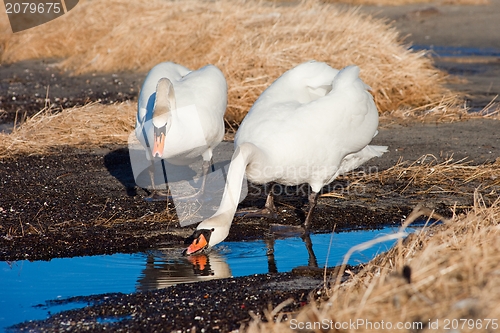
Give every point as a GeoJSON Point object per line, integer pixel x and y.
{"type": "Point", "coordinates": [198, 241]}
{"type": "Point", "coordinates": [159, 141]}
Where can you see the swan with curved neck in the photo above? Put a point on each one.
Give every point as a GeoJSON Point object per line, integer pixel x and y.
{"type": "Point", "coordinates": [180, 115]}
{"type": "Point", "coordinates": [164, 104]}
{"type": "Point", "coordinates": [311, 125]}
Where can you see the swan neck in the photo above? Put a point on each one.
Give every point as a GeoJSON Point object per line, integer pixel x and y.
{"type": "Point", "coordinates": [234, 182]}
{"type": "Point", "coordinates": [164, 100]}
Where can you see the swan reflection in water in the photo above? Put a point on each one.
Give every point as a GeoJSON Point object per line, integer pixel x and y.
{"type": "Point", "coordinates": [169, 267]}
{"type": "Point", "coordinates": [312, 261]}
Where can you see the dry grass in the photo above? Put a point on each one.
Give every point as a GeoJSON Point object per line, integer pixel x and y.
{"type": "Point", "coordinates": [429, 175]}
{"type": "Point", "coordinates": [90, 125]}
{"type": "Point", "coordinates": [443, 110]}
{"type": "Point", "coordinates": [436, 180]}
{"type": "Point", "coordinates": [252, 42]}
{"type": "Point", "coordinates": [445, 273]}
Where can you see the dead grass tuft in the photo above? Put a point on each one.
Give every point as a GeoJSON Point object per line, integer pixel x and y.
{"type": "Point", "coordinates": [252, 42]}
{"type": "Point", "coordinates": [90, 125]}
{"type": "Point", "coordinates": [447, 176]}
{"type": "Point", "coordinates": [442, 110]}
{"type": "Point", "coordinates": [445, 274]}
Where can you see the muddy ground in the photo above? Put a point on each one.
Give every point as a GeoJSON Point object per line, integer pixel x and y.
{"type": "Point", "coordinates": [76, 202]}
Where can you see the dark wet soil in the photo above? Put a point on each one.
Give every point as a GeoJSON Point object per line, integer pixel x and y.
{"type": "Point", "coordinates": [29, 86]}
{"type": "Point", "coordinates": [75, 202]}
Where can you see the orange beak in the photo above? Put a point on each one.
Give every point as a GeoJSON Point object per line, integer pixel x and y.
{"type": "Point", "coordinates": [197, 245]}
{"type": "Point", "coordinates": [158, 145]}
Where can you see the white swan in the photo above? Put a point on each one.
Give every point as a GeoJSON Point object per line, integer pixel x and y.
{"type": "Point", "coordinates": [311, 125]}
{"type": "Point", "coordinates": [180, 115]}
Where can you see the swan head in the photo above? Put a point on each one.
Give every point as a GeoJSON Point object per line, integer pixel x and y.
{"type": "Point", "coordinates": [208, 234]}
{"type": "Point", "coordinates": [164, 104]}
{"type": "Point", "coordinates": [159, 140]}
{"type": "Point", "coordinates": [198, 242]}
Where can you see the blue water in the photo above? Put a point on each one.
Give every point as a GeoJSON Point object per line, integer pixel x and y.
{"type": "Point", "coordinates": [459, 51]}
{"type": "Point", "coordinates": [6, 128]}
{"type": "Point", "coordinates": [26, 286]}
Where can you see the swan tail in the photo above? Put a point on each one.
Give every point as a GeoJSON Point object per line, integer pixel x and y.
{"type": "Point", "coordinates": [354, 160]}
{"type": "Point", "coordinates": [375, 151]}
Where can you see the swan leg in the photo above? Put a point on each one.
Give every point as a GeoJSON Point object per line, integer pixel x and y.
{"type": "Point", "coordinates": [206, 166]}
{"type": "Point", "coordinates": [155, 195]}
{"type": "Point", "coordinates": [312, 260]}
{"type": "Point", "coordinates": [268, 211]}
{"type": "Point", "coordinates": [313, 200]}
{"type": "Point", "coordinates": [271, 261]}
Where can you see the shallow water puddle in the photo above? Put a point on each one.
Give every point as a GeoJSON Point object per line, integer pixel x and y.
{"type": "Point", "coordinates": [6, 128]}
{"type": "Point", "coordinates": [459, 51]}
{"type": "Point", "coordinates": [27, 286]}
{"type": "Point", "coordinates": [467, 62]}
{"type": "Point", "coordinates": [480, 67]}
